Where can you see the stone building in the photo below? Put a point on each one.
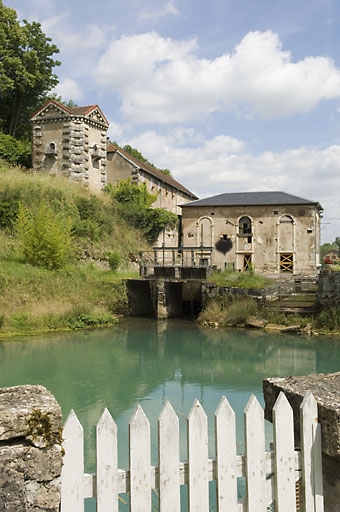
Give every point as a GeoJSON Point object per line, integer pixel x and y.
{"type": "Point", "coordinates": [71, 141]}
{"type": "Point", "coordinates": [170, 194]}
{"type": "Point", "coordinates": [271, 232]}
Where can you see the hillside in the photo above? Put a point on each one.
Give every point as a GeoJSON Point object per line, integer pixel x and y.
{"type": "Point", "coordinates": [64, 253]}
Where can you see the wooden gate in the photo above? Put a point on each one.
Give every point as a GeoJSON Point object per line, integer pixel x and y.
{"type": "Point", "coordinates": [270, 476]}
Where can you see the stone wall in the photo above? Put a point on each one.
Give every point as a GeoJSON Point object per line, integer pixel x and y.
{"type": "Point", "coordinates": [326, 390]}
{"type": "Point", "coordinates": [328, 288]}
{"type": "Point", "coordinates": [30, 450]}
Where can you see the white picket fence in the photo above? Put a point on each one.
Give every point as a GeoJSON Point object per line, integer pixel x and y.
{"type": "Point", "coordinates": [270, 476]}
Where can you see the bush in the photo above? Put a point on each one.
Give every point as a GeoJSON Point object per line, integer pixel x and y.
{"type": "Point", "coordinates": [114, 260]}
{"type": "Point", "coordinates": [46, 237]}
{"type": "Point", "coordinates": [14, 151]}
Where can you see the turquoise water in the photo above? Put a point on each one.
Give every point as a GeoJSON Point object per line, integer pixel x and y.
{"type": "Point", "coordinates": [147, 362]}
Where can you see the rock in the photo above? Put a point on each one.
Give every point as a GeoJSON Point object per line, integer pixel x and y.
{"type": "Point", "coordinates": [30, 451]}
{"type": "Point", "coordinates": [255, 323]}
{"type": "Point", "coordinates": [326, 390]}
{"type": "Point", "coordinates": [19, 405]}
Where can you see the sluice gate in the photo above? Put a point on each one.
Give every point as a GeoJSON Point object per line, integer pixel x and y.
{"type": "Point", "coordinates": [166, 296]}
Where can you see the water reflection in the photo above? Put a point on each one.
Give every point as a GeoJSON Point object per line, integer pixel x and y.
{"type": "Point", "coordinates": [147, 362]}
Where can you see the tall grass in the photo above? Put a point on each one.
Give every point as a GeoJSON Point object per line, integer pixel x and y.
{"type": "Point", "coordinates": [247, 279]}
{"type": "Point", "coordinates": [85, 292]}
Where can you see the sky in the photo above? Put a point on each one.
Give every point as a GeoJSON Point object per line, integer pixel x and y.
{"type": "Point", "coordinates": [229, 95]}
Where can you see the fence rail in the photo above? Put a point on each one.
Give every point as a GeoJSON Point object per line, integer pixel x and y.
{"type": "Point", "coordinates": [270, 476]}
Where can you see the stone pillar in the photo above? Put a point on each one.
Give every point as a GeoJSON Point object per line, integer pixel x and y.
{"type": "Point", "coordinates": [30, 450]}
{"type": "Point", "coordinates": [326, 390]}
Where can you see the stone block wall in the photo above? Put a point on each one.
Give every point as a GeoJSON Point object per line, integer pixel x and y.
{"type": "Point", "coordinates": [30, 450]}
{"type": "Point", "coordinates": [328, 288]}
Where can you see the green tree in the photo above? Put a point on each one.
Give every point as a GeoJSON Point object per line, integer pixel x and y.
{"type": "Point", "coordinates": [15, 151]}
{"type": "Point", "coordinates": [134, 205]}
{"type": "Point", "coordinates": [26, 71]}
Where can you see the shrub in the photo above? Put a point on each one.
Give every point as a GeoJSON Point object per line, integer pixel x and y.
{"type": "Point", "coordinates": [14, 151]}
{"type": "Point", "coordinates": [114, 260]}
{"type": "Point", "coordinates": [46, 237]}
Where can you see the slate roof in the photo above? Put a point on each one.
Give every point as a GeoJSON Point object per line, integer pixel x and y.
{"type": "Point", "coordinates": [149, 169]}
{"type": "Point", "coordinates": [252, 199]}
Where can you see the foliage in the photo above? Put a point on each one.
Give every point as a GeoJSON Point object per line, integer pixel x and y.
{"type": "Point", "coordinates": [114, 260]}
{"type": "Point", "coordinates": [134, 203]}
{"type": "Point", "coordinates": [327, 247]}
{"type": "Point", "coordinates": [249, 279]}
{"type": "Point", "coordinates": [329, 318]}
{"type": "Point", "coordinates": [46, 236]}
{"type": "Point", "coordinates": [14, 151]}
{"type": "Point", "coordinates": [35, 298]}
{"type": "Point", "coordinates": [134, 152]}
{"type": "Point", "coordinates": [26, 70]}
{"type": "Point", "coordinates": [229, 310]}
{"type": "Point", "coordinates": [84, 320]}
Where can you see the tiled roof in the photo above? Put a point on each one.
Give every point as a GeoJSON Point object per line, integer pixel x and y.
{"type": "Point", "coordinates": [252, 199]}
{"type": "Point", "coordinates": [76, 111]}
{"type": "Point", "coordinates": [149, 169]}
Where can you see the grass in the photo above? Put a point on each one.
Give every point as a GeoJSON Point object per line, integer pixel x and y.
{"type": "Point", "coordinates": [85, 293]}
{"type": "Point", "coordinates": [37, 299]}
{"type": "Point", "coordinates": [248, 280]}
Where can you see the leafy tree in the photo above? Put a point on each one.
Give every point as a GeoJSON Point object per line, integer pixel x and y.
{"type": "Point", "coordinates": [46, 236]}
{"type": "Point", "coordinates": [14, 151]}
{"type": "Point", "coordinates": [134, 202]}
{"type": "Point", "coordinates": [26, 71]}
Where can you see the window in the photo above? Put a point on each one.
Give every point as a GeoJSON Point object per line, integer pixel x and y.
{"type": "Point", "coordinates": [52, 148]}
{"type": "Point", "coordinates": [286, 262]}
{"type": "Point", "coordinates": [244, 226]}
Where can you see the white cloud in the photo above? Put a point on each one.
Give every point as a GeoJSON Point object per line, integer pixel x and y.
{"type": "Point", "coordinates": [69, 89]}
{"type": "Point", "coordinates": [163, 81]}
{"type": "Point", "coordinates": [168, 9]}
{"type": "Point", "coordinates": [224, 164]}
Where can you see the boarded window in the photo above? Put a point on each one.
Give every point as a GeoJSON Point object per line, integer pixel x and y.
{"type": "Point", "coordinates": [286, 262]}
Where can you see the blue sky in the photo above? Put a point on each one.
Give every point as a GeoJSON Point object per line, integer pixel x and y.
{"type": "Point", "coordinates": [230, 95]}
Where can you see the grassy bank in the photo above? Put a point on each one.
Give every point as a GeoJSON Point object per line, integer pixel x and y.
{"type": "Point", "coordinates": [81, 292]}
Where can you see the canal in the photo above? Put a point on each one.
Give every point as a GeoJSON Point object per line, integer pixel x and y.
{"type": "Point", "coordinates": [147, 362]}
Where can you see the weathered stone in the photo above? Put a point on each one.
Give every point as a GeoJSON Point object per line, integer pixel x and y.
{"type": "Point", "coordinates": [326, 390]}
{"type": "Point", "coordinates": [30, 451]}
{"type": "Point", "coordinates": [18, 403]}
{"type": "Point", "coordinates": [255, 323]}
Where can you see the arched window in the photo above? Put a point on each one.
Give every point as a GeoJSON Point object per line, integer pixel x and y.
{"type": "Point", "coordinates": [52, 148]}
{"type": "Point", "coordinates": [244, 226]}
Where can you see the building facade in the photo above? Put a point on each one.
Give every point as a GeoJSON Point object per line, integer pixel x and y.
{"type": "Point", "coordinates": [170, 194]}
{"type": "Point", "coordinates": [71, 141]}
{"type": "Point", "coordinates": [270, 232]}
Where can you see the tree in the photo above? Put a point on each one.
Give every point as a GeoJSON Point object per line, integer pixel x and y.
{"type": "Point", "coordinates": [134, 202]}
{"type": "Point", "coordinates": [26, 71]}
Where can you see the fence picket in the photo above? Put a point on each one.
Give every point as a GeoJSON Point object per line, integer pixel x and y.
{"type": "Point", "coordinates": [270, 477]}
{"type": "Point", "coordinates": [255, 456]}
{"type": "Point", "coordinates": [72, 493]}
{"type": "Point", "coordinates": [198, 459]}
{"type": "Point", "coordinates": [107, 464]}
{"type": "Point", "coordinates": [169, 478]}
{"type": "Point", "coordinates": [284, 470]}
{"type": "Point", "coordinates": [225, 439]}
{"type": "Point", "coordinates": [140, 462]}
{"type": "Point", "coordinates": [311, 455]}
